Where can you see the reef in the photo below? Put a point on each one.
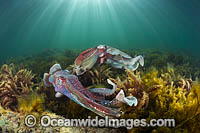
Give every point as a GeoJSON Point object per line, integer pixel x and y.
{"type": "Point", "coordinates": [167, 87]}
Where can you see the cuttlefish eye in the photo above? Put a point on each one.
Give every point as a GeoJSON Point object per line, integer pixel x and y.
{"type": "Point", "coordinates": [82, 70]}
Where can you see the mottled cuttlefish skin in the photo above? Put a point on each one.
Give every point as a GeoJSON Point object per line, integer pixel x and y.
{"type": "Point", "coordinates": [85, 61]}
{"type": "Point", "coordinates": [69, 85]}
{"type": "Point", "coordinates": [106, 54]}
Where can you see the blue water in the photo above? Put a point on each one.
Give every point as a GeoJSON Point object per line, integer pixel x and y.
{"type": "Point", "coordinates": [30, 26]}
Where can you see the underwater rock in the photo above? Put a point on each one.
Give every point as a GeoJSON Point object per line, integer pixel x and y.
{"type": "Point", "coordinates": [13, 84]}
{"type": "Point", "coordinates": [14, 122]}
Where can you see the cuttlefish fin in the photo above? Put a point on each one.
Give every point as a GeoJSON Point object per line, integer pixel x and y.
{"type": "Point", "coordinates": [55, 68]}
{"type": "Point", "coordinates": [130, 100]}
{"type": "Point", "coordinates": [46, 80]}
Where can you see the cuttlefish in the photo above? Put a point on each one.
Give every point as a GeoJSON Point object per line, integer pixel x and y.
{"type": "Point", "coordinates": [106, 54]}
{"type": "Point", "coordinates": [93, 99]}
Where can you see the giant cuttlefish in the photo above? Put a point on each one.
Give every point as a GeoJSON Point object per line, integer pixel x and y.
{"type": "Point", "coordinates": [106, 54]}
{"type": "Point", "coordinates": [67, 84]}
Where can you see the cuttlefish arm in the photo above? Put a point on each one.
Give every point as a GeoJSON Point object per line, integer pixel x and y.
{"type": "Point", "coordinates": [104, 91]}
{"type": "Point", "coordinates": [131, 64]}
{"type": "Point", "coordinates": [130, 100]}
{"type": "Point", "coordinates": [90, 104]}
{"type": "Point", "coordinates": [119, 59]}
{"type": "Point", "coordinates": [69, 85]}
{"type": "Point", "coordinates": [116, 53]}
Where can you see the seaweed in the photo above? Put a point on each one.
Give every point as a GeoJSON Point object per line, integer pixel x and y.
{"type": "Point", "coordinates": [96, 76]}
{"type": "Point", "coordinates": [172, 96]}
{"type": "Point", "coordinates": [40, 63]}
{"type": "Point", "coordinates": [13, 85]}
{"type": "Point", "coordinates": [31, 103]}
{"type": "Point", "coordinates": [132, 86]}
{"type": "Point", "coordinates": [167, 87]}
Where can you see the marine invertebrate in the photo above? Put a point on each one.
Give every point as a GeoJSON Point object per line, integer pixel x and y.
{"type": "Point", "coordinates": [106, 54]}
{"type": "Point", "coordinates": [13, 84]}
{"type": "Point", "coordinates": [69, 85]}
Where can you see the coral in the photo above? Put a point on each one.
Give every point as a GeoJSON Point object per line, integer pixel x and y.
{"type": "Point", "coordinates": [13, 84]}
